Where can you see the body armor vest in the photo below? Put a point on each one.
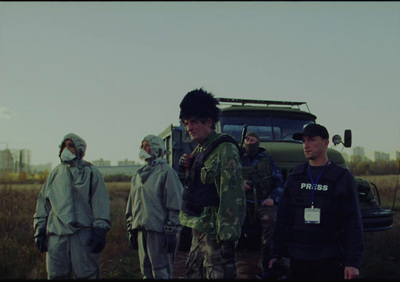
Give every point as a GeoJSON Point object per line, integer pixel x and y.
{"type": "Point", "coordinates": [325, 198]}
{"type": "Point", "coordinates": [255, 170]}
{"type": "Point", "coordinates": [196, 194]}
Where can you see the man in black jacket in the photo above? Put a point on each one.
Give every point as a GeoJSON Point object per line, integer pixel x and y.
{"type": "Point", "coordinates": [319, 218]}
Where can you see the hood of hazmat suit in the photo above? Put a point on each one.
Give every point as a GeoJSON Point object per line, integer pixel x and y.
{"type": "Point", "coordinates": [79, 143]}
{"type": "Point", "coordinates": [157, 146]}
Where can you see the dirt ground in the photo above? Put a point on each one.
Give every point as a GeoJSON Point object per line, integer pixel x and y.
{"type": "Point", "coordinates": [246, 264]}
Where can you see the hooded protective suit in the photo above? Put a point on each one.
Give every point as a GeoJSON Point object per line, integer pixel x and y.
{"type": "Point", "coordinates": [156, 192]}
{"type": "Point", "coordinates": [73, 202]}
{"type": "Point", "coordinates": [153, 209]}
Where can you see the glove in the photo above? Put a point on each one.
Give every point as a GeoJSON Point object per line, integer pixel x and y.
{"type": "Point", "coordinates": [133, 239]}
{"type": "Point", "coordinates": [40, 238]}
{"type": "Point", "coordinates": [170, 243]}
{"type": "Point", "coordinates": [97, 240]}
{"type": "Point", "coordinates": [227, 249]}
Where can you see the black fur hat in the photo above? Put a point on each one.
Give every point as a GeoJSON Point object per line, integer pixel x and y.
{"type": "Point", "coordinates": [200, 104]}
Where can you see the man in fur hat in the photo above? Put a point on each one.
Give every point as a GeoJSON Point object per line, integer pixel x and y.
{"type": "Point", "coordinates": [213, 203]}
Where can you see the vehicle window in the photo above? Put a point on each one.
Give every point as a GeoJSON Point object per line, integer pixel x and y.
{"type": "Point", "coordinates": [269, 128]}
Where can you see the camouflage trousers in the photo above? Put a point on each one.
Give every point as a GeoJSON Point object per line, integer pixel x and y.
{"type": "Point", "coordinates": [205, 260]}
{"type": "Point", "coordinates": [265, 217]}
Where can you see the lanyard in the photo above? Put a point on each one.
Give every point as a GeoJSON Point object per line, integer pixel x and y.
{"type": "Point", "coordinates": [315, 183]}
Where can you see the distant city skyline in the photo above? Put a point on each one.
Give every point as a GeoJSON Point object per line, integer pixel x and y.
{"type": "Point", "coordinates": [353, 151]}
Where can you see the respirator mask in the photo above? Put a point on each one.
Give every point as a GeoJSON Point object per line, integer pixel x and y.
{"type": "Point", "coordinates": [143, 155]}
{"type": "Point", "coordinates": [67, 156]}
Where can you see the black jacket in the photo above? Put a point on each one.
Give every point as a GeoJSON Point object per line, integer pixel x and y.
{"type": "Point", "coordinates": [340, 232]}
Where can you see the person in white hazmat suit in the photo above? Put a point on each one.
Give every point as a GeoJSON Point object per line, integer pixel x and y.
{"type": "Point", "coordinates": [73, 214]}
{"type": "Point", "coordinates": [152, 211]}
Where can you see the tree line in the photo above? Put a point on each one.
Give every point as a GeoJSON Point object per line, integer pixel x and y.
{"type": "Point", "coordinates": [368, 167]}
{"type": "Point", "coordinates": [356, 167]}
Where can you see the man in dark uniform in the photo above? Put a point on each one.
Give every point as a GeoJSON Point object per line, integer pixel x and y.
{"type": "Point", "coordinates": [319, 215]}
{"type": "Point", "coordinates": [263, 185]}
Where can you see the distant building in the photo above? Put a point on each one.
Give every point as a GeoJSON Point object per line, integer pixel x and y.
{"type": "Point", "coordinates": [127, 170]}
{"type": "Point", "coordinates": [126, 162]}
{"type": "Point", "coordinates": [6, 161]}
{"type": "Point", "coordinates": [41, 168]}
{"type": "Point", "coordinates": [24, 160]}
{"type": "Point", "coordinates": [379, 156]}
{"type": "Point", "coordinates": [101, 162]}
{"type": "Point", "coordinates": [397, 155]}
{"type": "Point", "coordinates": [15, 160]}
{"type": "Point", "coordinates": [125, 167]}
{"type": "Point", "coordinates": [358, 152]}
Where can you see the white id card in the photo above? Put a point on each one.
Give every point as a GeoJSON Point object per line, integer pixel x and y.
{"type": "Point", "coordinates": [312, 216]}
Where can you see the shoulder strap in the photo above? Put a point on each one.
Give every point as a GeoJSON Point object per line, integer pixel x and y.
{"type": "Point", "coordinates": [222, 139]}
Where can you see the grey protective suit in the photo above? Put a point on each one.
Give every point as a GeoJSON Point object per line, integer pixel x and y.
{"type": "Point", "coordinates": [72, 201]}
{"type": "Point", "coordinates": [153, 210]}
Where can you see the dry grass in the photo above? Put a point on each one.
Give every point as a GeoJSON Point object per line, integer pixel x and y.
{"type": "Point", "coordinates": [387, 186]}
{"type": "Point", "coordinates": [19, 258]}
{"type": "Point", "coordinates": [381, 258]}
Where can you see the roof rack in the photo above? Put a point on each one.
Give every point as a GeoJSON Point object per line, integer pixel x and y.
{"type": "Point", "coordinates": [263, 102]}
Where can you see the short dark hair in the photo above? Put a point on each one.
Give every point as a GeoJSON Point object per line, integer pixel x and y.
{"type": "Point", "coordinates": [200, 104]}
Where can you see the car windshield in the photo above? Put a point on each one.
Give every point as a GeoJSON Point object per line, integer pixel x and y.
{"type": "Point", "coordinates": [268, 128]}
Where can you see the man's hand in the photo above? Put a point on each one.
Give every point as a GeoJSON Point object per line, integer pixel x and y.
{"type": "Point", "coordinates": [97, 240]}
{"type": "Point", "coordinates": [133, 239]}
{"type": "Point", "coordinates": [40, 240]}
{"type": "Point", "coordinates": [186, 160]}
{"type": "Point", "coordinates": [272, 262]}
{"type": "Point", "coordinates": [268, 202]}
{"type": "Point", "coordinates": [246, 186]}
{"type": "Point", "coordinates": [351, 272]}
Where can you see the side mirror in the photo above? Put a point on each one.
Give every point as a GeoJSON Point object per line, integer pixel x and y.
{"type": "Point", "coordinates": [347, 138]}
{"type": "Point", "coordinates": [336, 139]}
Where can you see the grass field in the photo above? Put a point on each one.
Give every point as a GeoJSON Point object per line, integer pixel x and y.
{"type": "Point", "coordinates": [381, 258]}
{"type": "Point", "coordinates": [19, 258]}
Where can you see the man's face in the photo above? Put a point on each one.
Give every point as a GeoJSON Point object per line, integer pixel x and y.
{"type": "Point", "coordinates": [70, 145]}
{"type": "Point", "coordinates": [198, 131]}
{"type": "Point", "coordinates": [314, 147]}
{"type": "Point", "coordinates": [146, 146]}
{"type": "Point", "coordinates": [250, 140]}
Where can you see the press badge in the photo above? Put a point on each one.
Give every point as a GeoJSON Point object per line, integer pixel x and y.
{"type": "Point", "coordinates": [312, 216]}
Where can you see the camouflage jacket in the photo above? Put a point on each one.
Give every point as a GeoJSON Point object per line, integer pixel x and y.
{"type": "Point", "coordinates": [222, 168]}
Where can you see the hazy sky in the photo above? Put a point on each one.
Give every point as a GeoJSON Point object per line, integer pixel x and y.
{"type": "Point", "coordinates": [113, 72]}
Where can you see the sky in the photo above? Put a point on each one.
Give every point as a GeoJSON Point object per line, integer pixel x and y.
{"type": "Point", "coordinates": [114, 72]}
